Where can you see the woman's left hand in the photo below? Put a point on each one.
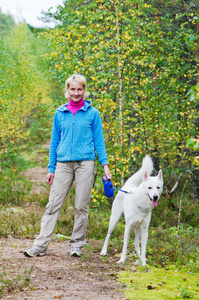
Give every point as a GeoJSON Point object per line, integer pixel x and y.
{"type": "Point", "coordinates": [107, 171]}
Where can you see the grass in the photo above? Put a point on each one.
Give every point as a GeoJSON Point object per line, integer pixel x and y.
{"type": "Point", "coordinates": [160, 283]}
{"type": "Point", "coordinates": [10, 283]}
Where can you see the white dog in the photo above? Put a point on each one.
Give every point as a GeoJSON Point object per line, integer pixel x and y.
{"type": "Point", "coordinates": [136, 206]}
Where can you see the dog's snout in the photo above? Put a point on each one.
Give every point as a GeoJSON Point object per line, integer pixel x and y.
{"type": "Point", "coordinates": [155, 197]}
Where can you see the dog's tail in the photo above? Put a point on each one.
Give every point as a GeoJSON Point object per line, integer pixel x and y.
{"type": "Point", "coordinates": [136, 179]}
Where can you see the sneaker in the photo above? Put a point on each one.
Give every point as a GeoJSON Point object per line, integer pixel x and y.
{"type": "Point", "coordinates": [75, 251]}
{"type": "Point", "coordinates": [33, 252]}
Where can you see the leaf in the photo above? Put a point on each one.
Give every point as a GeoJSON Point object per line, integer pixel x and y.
{"type": "Point", "coordinates": [150, 287]}
{"type": "Point", "coordinates": [190, 143]}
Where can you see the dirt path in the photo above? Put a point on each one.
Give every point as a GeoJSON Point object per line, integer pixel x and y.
{"type": "Point", "coordinates": [38, 178]}
{"type": "Point", "coordinates": [38, 175]}
{"type": "Point", "coordinates": [57, 275]}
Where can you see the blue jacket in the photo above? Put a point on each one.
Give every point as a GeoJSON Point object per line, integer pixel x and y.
{"type": "Point", "coordinates": [76, 138]}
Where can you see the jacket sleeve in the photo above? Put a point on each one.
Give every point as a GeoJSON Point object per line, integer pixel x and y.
{"type": "Point", "coordinates": [54, 143]}
{"type": "Point", "coordinates": [99, 138]}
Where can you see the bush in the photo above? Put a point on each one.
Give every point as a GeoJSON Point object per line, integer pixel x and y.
{"type": "Point", "coordinates": [14, 187]}
{"type": "Point", "coordinates": [173, 246]}
{"type": "Point", "coordinates": [167, 212]}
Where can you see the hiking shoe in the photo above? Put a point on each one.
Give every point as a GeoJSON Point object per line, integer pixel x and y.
{"type": "Point", "coordinates": [75, 251]}
{"type": "Point", "coordinates": [33, 252]}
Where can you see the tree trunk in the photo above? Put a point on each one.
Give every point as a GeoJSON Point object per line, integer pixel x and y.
{"type": "Point", "coordinates": [120, 85]}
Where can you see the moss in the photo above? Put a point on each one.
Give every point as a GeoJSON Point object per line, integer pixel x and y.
{"type": "Point", "coordinates": [158, 283]}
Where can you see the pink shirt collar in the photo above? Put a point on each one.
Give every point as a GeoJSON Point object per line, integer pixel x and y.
{"type": "Point", "coordinates": [75, 106]}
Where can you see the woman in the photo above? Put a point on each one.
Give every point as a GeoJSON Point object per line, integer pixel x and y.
{"type": "Point", "coordinates": [76, 135]}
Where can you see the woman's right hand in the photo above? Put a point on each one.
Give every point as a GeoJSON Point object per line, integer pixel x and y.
{"type": "Point", "coordinates": [50, 177]}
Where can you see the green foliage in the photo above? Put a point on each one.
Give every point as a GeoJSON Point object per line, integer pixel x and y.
{"type": "Point", "coordinates": [173, 246]}
{"type": "Point", "coordinates": [13, 187]}
{"type": "Point", "coordinates": [23, 221]}
{"type": "Point", "coordinates": [194, 144]}
{"type": "Point", "coordinates": [167, 211]}
{"type": "Point", "coordinates": [25, 107]}
{"type": "Point", "coordinates": [6, 24]}
{"type": "Point", "coordinates": [24, 86]}
{"type": "Point", "coordinates": [156, 47]}
{"type": "Point", "coordinates": [39, 124]}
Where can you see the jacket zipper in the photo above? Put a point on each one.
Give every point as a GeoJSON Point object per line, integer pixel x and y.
{"type": "Point", "coordinates": [72, 138]}
{"type": "Point", "coordinates": [73, 132]}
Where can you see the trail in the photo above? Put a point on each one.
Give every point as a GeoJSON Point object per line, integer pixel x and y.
{"type": "Point", "coordinates": [56, 275]}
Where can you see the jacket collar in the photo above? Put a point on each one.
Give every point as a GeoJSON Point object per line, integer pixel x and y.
{"type": "Point", "coordinates": [87, 104]}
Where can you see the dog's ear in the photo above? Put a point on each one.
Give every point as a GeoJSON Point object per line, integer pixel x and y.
{"type": "Point", "coordinates": [146, 175]}
{"type": "Point", "coordinates": [160, 175]}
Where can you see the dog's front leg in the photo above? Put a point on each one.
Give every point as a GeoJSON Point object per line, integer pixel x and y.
{"type": "Point", "coordinates": [104, 249]}
{"type": "Point", "coordinates": [113, 222]}
{"type": "Point", "coordinates": [115, 216]}
{"type": "Point", "coordinates": [125, 245]}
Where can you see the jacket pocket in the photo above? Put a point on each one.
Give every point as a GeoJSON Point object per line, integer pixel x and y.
{"type": "Point", "coordinates": [49, 206]}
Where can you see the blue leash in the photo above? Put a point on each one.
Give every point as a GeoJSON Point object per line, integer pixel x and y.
{"type": "Point", "coordinates": [121, 190]}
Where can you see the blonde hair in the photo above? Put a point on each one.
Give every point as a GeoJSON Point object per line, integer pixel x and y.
{"type": "Point", "coordinates": [77, 78]}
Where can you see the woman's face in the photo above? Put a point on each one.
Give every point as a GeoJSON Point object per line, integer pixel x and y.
{"type": "Point", "coordinates": [76, 91]}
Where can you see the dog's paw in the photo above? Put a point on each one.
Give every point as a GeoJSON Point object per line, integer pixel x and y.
{"type": "Point", "coordinates": [103, 253]}
{"type": "Point", "coordinates": [121, 261]}
{"type": "Point", "coordinates": [143, 261]}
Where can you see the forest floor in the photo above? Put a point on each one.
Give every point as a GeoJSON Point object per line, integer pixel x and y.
{"type": "Point", "coordinates": [56, 275]}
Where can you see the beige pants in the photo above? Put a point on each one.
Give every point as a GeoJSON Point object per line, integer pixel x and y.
{"type": "Point", "coordinates": [65, 173]}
